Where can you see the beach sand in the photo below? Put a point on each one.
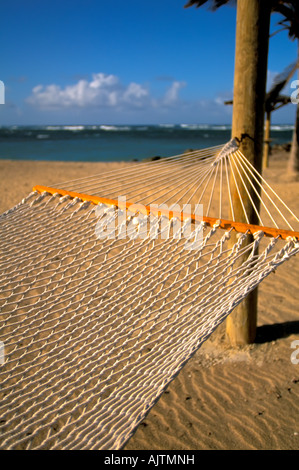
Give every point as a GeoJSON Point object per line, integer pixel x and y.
{"type": "Point", "coordinates": [224, 398]}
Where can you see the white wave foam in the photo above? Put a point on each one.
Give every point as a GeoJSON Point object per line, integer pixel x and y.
{"type": "Point", "coordinates": [220, 128]}
{"type": "Point", "coordinates": [205, 127]}
{"type": "Point", "coordinates": [74, 128]}
{"type": "Point", "coordinates": [115, 128]}
{"type": "Point", "coordinates": [42, 136]}
{"type": "Point", "coordinates": [285, 127]}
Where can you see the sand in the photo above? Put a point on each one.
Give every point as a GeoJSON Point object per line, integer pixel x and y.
{"type": "Point", "coordinates": [224, 398]}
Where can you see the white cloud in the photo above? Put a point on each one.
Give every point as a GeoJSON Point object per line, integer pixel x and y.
{"type": "Point", "coordinates": [219, 100]}
{"type": "Point", "coordinates": [136, 94]}
{"type": "Point", "coordinates": [172, 94]}
{"type": "Point", "coordinates": [102, 91]}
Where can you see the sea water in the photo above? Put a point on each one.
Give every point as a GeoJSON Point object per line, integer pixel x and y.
{"type": "Point", "coordinates": [115, 142]}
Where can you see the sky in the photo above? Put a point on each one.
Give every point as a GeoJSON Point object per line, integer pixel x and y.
{"type": "Point", "coordinates": [123, 62]}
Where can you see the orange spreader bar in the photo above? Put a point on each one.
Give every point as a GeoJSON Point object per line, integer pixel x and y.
{"type": "Point", "coordinates": [210, 221]}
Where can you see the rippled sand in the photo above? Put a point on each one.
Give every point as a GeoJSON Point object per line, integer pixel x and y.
{"type": "Point", "coordinates": [224, 398]}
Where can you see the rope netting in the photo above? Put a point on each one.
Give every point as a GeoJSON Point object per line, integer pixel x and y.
{"type": "Point", "coordinates": [103, 305]}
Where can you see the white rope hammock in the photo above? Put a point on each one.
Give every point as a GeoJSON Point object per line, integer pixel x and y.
{"type": "Point", "coordinates": [96, 326]}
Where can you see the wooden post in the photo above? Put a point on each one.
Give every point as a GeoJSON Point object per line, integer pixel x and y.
{"type": "Point", "coordinates": [293, 163]}
{"type": "Point", "coordinates": [252, 39]}
{"type": "Point", "coordinates": [267, 140]}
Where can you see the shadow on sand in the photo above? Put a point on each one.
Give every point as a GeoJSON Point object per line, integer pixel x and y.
{"type": "Point", "coordinates": [268, 333]}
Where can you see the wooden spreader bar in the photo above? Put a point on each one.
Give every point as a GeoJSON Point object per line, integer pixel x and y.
{"type": "Point", "coordinates": [210, 221]}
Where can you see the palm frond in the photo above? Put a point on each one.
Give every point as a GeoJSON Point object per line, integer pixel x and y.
{"type": "Point", "coordinates": [273, 96]}
{"type": "Point", "coordinates": [213, 4]}
{"type": "Point", "coordinates": [290, 12]}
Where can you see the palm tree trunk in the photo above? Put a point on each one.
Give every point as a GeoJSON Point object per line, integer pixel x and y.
{"type": "Point", "coordinates": [252, 40]}
{"type": "Point", "coordinates": [267, 140]}
{"type": "Point", "coordinates": [293, 163]}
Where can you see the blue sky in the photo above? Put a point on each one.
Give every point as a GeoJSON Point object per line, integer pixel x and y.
{"type": "Point", "coordinates": [123, 62]}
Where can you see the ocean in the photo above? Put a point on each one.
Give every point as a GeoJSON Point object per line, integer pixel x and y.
{"type": "Point", "coordinates": [115, 143]}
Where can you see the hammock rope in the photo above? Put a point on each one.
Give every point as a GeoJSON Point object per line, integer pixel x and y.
{"type": "Point", "coordinates": [95, 322]}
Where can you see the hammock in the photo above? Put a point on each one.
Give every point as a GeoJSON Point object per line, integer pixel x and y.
{"type": "Point", "coordinates": [103, 302]}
